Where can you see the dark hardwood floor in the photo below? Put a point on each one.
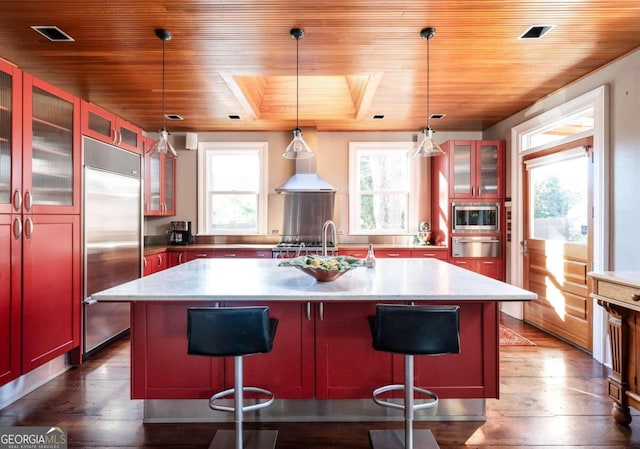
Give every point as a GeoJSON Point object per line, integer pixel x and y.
{"type": "Point", "coordinates": [552, 396]}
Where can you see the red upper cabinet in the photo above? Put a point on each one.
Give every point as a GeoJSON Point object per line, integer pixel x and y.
{"type": "Point", "coordinates": [51, 149]}
{"type": "Point", "coordinates": [10, 138]}
{"type": "Point", "coordinates": [160, 183]}
{"type": "Point", "coordinates": [476, 169]}
{"type": "Point", "coordinates": [109, 128]}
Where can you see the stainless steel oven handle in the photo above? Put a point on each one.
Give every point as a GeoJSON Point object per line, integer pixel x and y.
{"type": "Point", "coordinates": [479, 240]}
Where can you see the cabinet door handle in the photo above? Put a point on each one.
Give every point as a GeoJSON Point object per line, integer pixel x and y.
{"type": "Point", "coordinates": [17, 228]}
{"type": "Point", "coordinates": [308, 311]}
{"type": "Point", "coordinates": [635, 297]}
{"type": "Point", "coordinates": [321, 310]}
{"type": "Point", "coordinates": [17, 200]}
{"type": "Point", "coordinates": [144, 262]}
{"type": "Point", "coordinates": [230, 255]}
{"type": "Point", "coordinates": [159, 260]}
{"type": "Point", "coordinates": [393, 255]}
{"type": "Point", "coordinates": [28, 227]}
{"type": "Point", "coordinates": [179, 258]}
{"type": "Point", "coordinates": [28, 201]}
{"type": "Point", "coordinates": [119, 137]}
{"type": "Point", "coordinates": [114, 137]}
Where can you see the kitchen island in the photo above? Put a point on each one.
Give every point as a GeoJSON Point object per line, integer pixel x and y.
{"type": "Point", "coordinates": [322, 366]}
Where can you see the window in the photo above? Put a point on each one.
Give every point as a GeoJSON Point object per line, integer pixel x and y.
{"type": "Point", "coordinates": [232, 188]}
{"type": "Point", "coordinates": [382, 182]}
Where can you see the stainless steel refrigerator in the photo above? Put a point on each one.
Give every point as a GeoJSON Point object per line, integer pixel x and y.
{"type": "Point", "coordinates": [112, 217]}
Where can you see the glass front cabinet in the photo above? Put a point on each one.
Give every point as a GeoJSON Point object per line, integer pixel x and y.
{"type": "Point", "coordinates": [51, 149]}
{"type": "Point", "coordinates": [476, 169]}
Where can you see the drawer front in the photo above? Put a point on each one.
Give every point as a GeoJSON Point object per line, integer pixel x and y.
{"type": "Point", "coordinates": [623, 293]}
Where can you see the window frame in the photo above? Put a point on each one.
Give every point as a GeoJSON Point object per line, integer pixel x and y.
{"type": "Point", "coordinates": [205, 148]}
{"type": "Point", "coordinates": [355, 149]}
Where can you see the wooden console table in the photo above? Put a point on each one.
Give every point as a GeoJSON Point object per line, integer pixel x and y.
{"type": "Point", "coordinates": [619, 294]}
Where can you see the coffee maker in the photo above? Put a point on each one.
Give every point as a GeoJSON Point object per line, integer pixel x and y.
{"type": "Point", "coordinates": [180, 233]}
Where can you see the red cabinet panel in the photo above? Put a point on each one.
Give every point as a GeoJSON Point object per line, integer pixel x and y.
{"type": "Point", "coordinates": [10, 295]}
{"type": "Point", "coordinates": [10, 139]}
{"type": "Point", "coordinates": [473, 372]}
{"type": "Point", "coordinates": [347, 367]}
{"type": "Point", "coordinates": [491, 267]}
{"type": "Point", "coordinates": [160, 183]}
{"type": "Point", "coordinates": [476, 169]}
{"type": "Point", "coordinates": [152, 263]}
{"type": "Point", "coordinates": [51, 287]}
{"type": "Point", "coordinates": [51, 149]}
{"type": "Point", "coordinates": [102, 125]}
{"type": "Point", "coordinates": [289, 368]}
{"type": "Point", "coordinates": [431, 253]}
{"type": "Point", "coordinates": [161, 367]}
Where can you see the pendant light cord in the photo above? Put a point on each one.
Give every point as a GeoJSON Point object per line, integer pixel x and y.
{"type": "Point", "coordinates": [428, 82]}
{"type": "Point", "coordinates": [163, 123]}
{"type": "Point", "coordinates": [297, 86]}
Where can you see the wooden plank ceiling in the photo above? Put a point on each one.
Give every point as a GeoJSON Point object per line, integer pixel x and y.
{"type": "Point", "coordinates": [358, 58]}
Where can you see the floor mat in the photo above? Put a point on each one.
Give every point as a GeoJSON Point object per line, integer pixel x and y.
{"type": "Point", "coordinates": [510, 337]}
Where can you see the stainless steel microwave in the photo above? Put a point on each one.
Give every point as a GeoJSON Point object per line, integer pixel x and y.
{"type": "Point", "coordinates": [478, 218]}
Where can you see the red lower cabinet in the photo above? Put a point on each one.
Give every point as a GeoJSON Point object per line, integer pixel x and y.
{"type": "Point", "coordinates": [10, 295]}
{"type": "Point", "coordinates": [288, 369]}
{"type": "Point", "coordinates": [347, 366]}
{"type": "Point", "coordinates": [472, 373]}
{"type": "Point", "coordinates": [161, 368]}
{"type": "Point", "coordinates": [51, 282]}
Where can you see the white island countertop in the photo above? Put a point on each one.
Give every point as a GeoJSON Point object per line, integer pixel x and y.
{"type": "Point", "coordinates": [262, 279]}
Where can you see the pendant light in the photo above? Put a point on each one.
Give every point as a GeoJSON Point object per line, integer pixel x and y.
{"type": "Point", "coordinates": [163, 146]}
{"type": "Point", "coordinates": [298, 148]}
{"type": "Point", "coordinates": [428, 147]}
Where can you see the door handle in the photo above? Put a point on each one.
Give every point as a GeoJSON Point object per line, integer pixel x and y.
{"type": "Point", "coordinates": [17, 228]}
{"type": "Point", "coordinates": [308, 311]}
{"type": "Point", "coordinates": [28, 201]}
{"type": "Point", "coordinates": [17, 200]}
{"type": "Point", "coordinates": [524, 248]}
{"type": "Point", "coordinates": [28, 227]}
{"type": "Point", "coordinates": [321, 310]}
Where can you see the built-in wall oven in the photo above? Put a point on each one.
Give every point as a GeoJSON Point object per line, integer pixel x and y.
{"type": "Point", "coordinates": [476, 246]}
{"type": "Point", "coordinates": [475, 218]}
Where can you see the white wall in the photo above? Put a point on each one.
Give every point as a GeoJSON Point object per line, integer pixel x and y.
{"type": "Point", "coordinates": [623, 79]}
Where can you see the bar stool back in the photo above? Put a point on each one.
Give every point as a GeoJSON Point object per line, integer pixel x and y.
{"type": "Point", "coordinates": [234, 332]}
{"type": "Point", "coordinates": [411, 330]}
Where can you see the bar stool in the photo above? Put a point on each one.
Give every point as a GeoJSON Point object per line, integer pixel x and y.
{"type": "Point", "coordinates": [411, 330]}
{"type": "Point", "coordinates": [234, 332]}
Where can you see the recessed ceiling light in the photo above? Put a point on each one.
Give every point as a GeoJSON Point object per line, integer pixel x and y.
{"type": "Point", "coordinates": [233, 117]}
{"type": "Point", "coordinates": [536, 31]}
{"type": "Point", "coordinates": [53, 33]}
{"type": "Point", "coordinates": [378, 116]}
{"type": "Point", "coordinates": [173, 117]}
{"type": "Point", "coordinates": [437, 116]}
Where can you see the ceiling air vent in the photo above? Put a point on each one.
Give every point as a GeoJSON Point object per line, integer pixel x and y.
{"type": "Point", "coordinates": [536, 31]}
{"type": "Point", "coordinates": [233, 117]}
{"type": "Point", "coordinates": [378, 116]}
{"type": "Point", "coordinates": [437, 116]}
{"type": "Point", "coordinates": [53, 33]}
{"type": "Point", "coordinates": [173, 117]}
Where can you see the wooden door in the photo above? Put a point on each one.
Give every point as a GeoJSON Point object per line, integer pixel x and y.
{"type": "Point", "coordinates": [558, 241]}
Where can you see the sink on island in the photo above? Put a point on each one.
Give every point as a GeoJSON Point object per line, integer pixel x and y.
{"type": "Point", "coordinates": [322, 366]}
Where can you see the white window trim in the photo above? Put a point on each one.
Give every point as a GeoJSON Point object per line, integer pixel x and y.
{"type": "Point", "coordinates": [412, 218]}
{"type": "Point", "coordinates": [262, 148]}
{"type": "Point", "coordinates": [598, 99]}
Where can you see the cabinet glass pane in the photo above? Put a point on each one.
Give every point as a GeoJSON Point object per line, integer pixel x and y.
{"type": "Point", "coordinates": [462, 169]}
{"type": "Point", "coordinates": [154, 182]}
{"type": "Point", "coordinates": [100, 124]}
{"type": "Point", "coordinates": [5, 137]}
{"type": "Point", "coordinates": [128, 137]}
{"type": "Point", "coordinates": [168, 182]}
{"type": "Point", "coordinates": [52, 150]}
{"type": "Point", "coordinates": [488, 169]}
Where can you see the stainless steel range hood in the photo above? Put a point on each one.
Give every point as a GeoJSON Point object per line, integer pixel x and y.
{"type": "Point", "coordinates": [305, 179]}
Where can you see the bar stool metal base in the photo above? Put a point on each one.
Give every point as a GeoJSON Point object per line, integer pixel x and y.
{"type": "Point", "coordinates": [394, 439]}
{"type": "Point", "coordinates": [251, 439]}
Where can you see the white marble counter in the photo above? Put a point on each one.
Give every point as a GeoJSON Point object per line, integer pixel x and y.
{"type": "Point", "coordinates": [262, 279]}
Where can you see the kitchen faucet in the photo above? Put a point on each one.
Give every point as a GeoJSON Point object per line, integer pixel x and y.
{"type": "Point", "coordinates": [334, 237]}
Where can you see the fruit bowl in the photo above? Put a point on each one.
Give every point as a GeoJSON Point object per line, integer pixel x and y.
{"type": "Point", "coordinates": [323, 268]}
